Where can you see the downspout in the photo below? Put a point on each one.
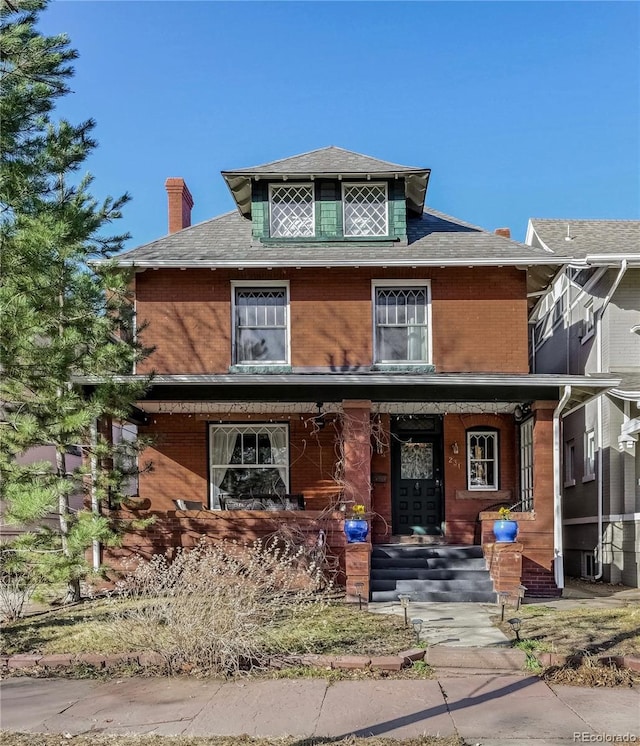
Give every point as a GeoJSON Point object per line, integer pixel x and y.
{"type": "Point", "coordinates": [614, 287]}
{"type": "Point", "coordinates": [95, 504]}
{"type": "Point", "coordinates": [558, 558]}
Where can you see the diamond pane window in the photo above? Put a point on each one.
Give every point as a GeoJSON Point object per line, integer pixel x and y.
{"type": "Point", "coordinates": [482, 460]}
{"type": "Point", "coordinates": [261, 325]}
{"type": "Point", "coordinates": [401, 318]}
{"type": "Point", "coordinates": [365, 209]}
{"type": "Point", "coordinates": [291, 211]}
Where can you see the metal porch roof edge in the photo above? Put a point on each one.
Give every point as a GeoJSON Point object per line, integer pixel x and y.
{"type": "Point", "coordinates": [447, 386]}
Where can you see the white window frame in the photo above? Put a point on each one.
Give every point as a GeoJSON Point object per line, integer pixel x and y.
{"type": "Point", "coordinates": [569, 463]}
{"type": "Point", "coordinates": [214, 501]}
{"type": "Point", "coordinates": [401, 285]}
{"type": "Point", "coordinates": [526, 464]}
{"type": "Point", "coordinates": [260, 285]}
{"type": "Point", "coordinates": [589, 328]}
{"type": "Point", "coordinates": [589, 473]}
{"type": "Point", "coordinates": [348, 184]}
{"type": "Point", "coordinates": [496, 461]}
{"type": "Point", "coordinates": [287, 185]}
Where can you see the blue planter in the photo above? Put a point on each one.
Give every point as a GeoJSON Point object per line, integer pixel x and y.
{"type": "Point", "coordinates": [505, 530]}
{"type": "Point", "coordinates": [356, 530]}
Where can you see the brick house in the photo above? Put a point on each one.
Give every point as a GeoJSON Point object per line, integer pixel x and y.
{"type": "Point", "coordinates": [333, 341]}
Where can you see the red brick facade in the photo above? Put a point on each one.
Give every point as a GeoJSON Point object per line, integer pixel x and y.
{"type": "Point", "coordinates": [479, 317]}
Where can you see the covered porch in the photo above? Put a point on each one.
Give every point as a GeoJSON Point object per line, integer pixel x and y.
{"type": "Point", "coordinates": [429, 456]}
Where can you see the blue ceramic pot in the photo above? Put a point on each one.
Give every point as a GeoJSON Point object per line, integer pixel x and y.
{"type": "Point", "coordinates": [505, 530]}
{"type": "Point", "coordinates": [356, 530]}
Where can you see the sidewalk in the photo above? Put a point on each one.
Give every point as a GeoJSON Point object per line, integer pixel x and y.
{"type": "Point", "coordinates": [489, 710]}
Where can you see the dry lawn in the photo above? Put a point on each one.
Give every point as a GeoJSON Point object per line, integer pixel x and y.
{"type": "Point", "coordinates": [88, 628]}
{"type": "Point", "coordinates": [30, 739]}
{"type": "Point", "coordinates": [599, 631]}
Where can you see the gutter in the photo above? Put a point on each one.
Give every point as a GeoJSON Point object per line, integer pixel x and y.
{"type": "Point", "coordinates": [558, 558]}
{"type": "Point", "coordinates": [600, 417]}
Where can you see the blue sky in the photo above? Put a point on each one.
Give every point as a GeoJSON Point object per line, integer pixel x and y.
{"type": "Point", "coordinates": [520, 109]}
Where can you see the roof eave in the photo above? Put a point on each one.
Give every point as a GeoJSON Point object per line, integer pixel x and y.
{"type": "Point", "coordinates": [518, 262]}
{"type": "Point", "coordinates": [416, 184]}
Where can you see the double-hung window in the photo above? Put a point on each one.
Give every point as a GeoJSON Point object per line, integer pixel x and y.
{"type": "Point", "coordinates": [365, 210]}
{"type": "Point", "coordinates": [291, 211]}
{"type": "Point", "coordinates": [482, 459]}
{"type": "Point", "coordinates": [260, 324]}
{"type": "Point", "coordinates": [248, 460]}
{"type": "Point", "coordinates": [401, 319]}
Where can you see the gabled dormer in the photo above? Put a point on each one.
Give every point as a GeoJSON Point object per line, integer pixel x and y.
{"type": "Point", "coordinates": [327, 196]}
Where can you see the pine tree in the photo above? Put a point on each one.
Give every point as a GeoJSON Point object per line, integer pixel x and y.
{"type": "Point", "coordinates": [61, 317]}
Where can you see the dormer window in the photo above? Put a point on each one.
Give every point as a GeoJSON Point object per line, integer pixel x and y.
{"type": "Point", "coordinates": [365, 210]}
{"type": "Point", "coordinates": [291, 211]}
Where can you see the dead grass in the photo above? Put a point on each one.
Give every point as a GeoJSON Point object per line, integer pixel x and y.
{"type": "Point", "coordinates": [333, 629]}
{"type": "Point", "coordinates": [598, 631]}
{"type": "Point", "coordinates": [588, 671]}
{"type": "Point", "coordinates": [46, 739]}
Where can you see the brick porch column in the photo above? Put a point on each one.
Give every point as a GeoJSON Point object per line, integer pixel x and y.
{"type": "Point", "coordinates": [357, 452]}
{"type": "Point", "coordinates": [357, 489]}
{"type": "Point", "coordinates": [537, 563]}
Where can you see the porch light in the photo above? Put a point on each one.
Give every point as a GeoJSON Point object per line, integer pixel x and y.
{"type": "Point", "coordinates": [404, 599]}
{"type": "Point", "coordinates": [516, 624]}
{"type": "Point", "coordinates": [455, 448]}
{"type": "Point", "coordinates": [319, 418]}
{"type": "Point", "coordinates": [359, 588]}
{"type": "Point", "coordinates": [417, 627]}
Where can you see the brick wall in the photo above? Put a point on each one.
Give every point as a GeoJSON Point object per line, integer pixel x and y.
{"type": "Point", "coordinates": [462, 507]}
{"type": "Point", "coordinates": [479, 317]}
{"type": "Point", "coordinates": [535, 529]}
{"type": "Point", "coordinates": [179, 458]}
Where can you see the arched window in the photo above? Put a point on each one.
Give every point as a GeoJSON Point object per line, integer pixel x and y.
{"type": "Point", "coordinates": [482, 459]}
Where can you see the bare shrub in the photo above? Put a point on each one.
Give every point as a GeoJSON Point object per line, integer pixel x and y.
{"type": "Point", "coordinates": [212, 608]}
{"type": "Point", "coordinates": [18, 582]}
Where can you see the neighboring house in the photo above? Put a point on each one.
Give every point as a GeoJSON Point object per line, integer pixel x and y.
{"type": "Point", "coordinates": [331, 342]}
{"type": "Point", "coordinates": [45, 455]}
{"type": "Point", "coordinates": [588, 322]}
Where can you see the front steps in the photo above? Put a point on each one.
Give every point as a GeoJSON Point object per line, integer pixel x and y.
{"type": "Point", "coordinates": [430, 573]}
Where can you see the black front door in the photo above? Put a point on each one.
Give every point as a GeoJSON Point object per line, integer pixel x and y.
{"type": "Point", "coordinates": [416, 479]}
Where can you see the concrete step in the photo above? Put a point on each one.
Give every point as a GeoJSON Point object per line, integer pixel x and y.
{"type": "Point", "coordinates": [496, 659]}
{"type": "Point", "coordinates": [453, 596]}
{"type": "Point", "coordinates": [413, 551]}
{"type": "Point", "coordinates": [414, 573]}
{"type": "Point", "coordinates": [414, 587]}
{"type": "Point", "coordinates": [438, 563]}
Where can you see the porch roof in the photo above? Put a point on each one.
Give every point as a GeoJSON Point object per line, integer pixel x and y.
{"type": "Point", "coordinates": [374, 386]}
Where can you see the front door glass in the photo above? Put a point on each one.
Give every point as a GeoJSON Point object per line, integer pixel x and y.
{"type": "Point", "coordinates": [416, 461]}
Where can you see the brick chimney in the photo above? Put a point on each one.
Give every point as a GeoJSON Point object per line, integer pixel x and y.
{"type": "Point", "coordinates": [504, 232]}
{"type": "Point", "coordinates": [180, 204]}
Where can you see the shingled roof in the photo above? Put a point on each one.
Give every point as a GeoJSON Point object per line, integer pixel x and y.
{"type": "Point", "coordinates": [330, 161]}
{"type": "Point", "coordinates": [434, 239]}
{"type": "Point", "coordinates": [586, 239]}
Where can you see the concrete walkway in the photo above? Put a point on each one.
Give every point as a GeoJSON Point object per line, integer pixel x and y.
{"type": "Point", "coordinates": [459, 625]}
{"type": "Point", "coordinates": [488, 710]}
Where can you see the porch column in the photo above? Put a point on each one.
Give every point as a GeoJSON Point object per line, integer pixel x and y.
{"type": "Point", "coordinates": [356, 436]}
{"type": "Point", "coordinates": [537, 535]}
{"type": "Point", "coordinates": [357, 452]}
